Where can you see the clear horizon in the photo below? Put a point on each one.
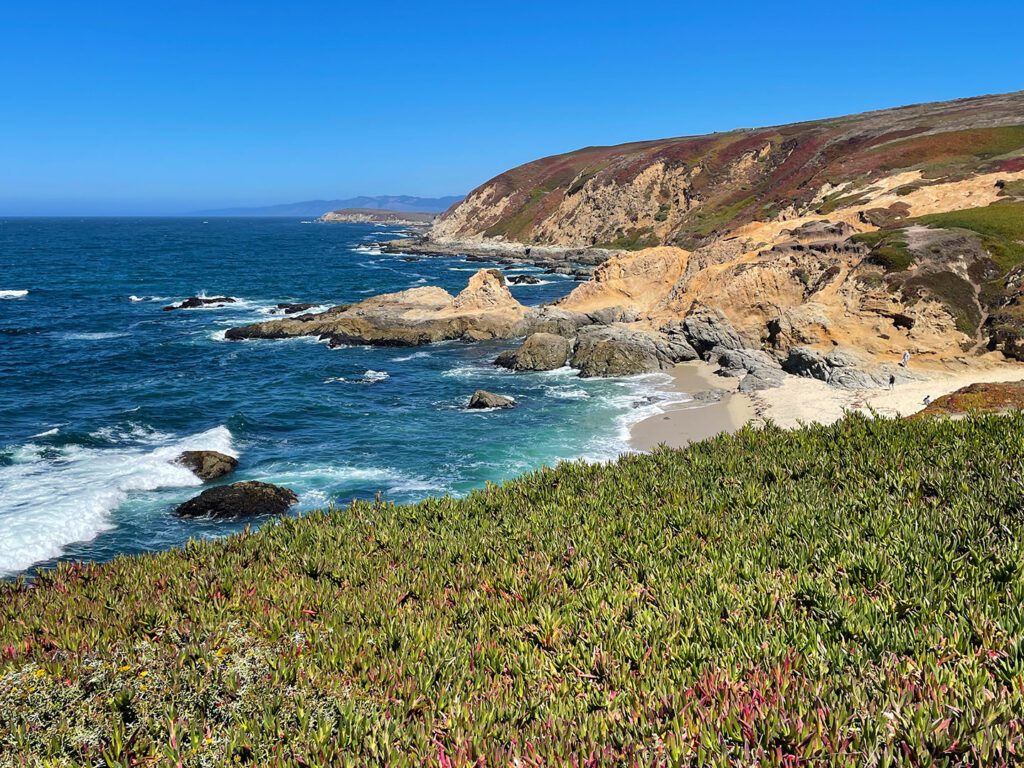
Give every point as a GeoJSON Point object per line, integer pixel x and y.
{"type": "Point", "coordinates": [167, 110]}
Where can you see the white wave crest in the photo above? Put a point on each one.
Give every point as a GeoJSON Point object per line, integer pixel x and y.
{"type": "Point", "coordinates": [98, 336]}
{"type": "Point", "coordinates": [368, 377]}
{"type": "Point", "coordinates": [13, 294]}
{"type": "Point", "coordinates": [50, 499]}
{"type": "Point", "coordinates": [414, 356]}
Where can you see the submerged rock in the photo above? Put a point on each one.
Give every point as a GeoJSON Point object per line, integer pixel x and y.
{"type": "Point", "coordinates": [540, 352]}
{"type": "Point", "coordinates": [208, 465]}
{"type": "Point", "coordinates": [249, 498]}
{"type": "Point", "coordinates": [484, 399]}
{"type": "Point", "coordinates": [523, 280]}
{"type": "Point", "coordinates": [194, 302]}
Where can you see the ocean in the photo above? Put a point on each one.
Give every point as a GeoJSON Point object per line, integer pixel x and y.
{"type": "Point", "coordinates": [100, 389]}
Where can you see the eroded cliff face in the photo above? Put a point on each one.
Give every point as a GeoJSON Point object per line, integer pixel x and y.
{"type": "Point", "coordinates": [826, 249]}
{"type": "Point", "coordinates": [916, 286]}
{"type": "Point", "coordinates": [689, 191]}
{"type": "Point", "coordinates": [841, 233]}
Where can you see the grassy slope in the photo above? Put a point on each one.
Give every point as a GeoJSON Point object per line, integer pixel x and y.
{"type": "Point", "coordinates": [978, 398]}
{"type": "Point", "coordinates": [850, 593]}
{"type": "Point", "coordinates": [1001, 227]}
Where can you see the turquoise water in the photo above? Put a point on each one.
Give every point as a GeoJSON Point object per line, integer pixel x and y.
{"type": "Point", "coordinates": [100, 389]}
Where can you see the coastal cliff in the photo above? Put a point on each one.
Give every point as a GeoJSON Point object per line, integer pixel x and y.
{"type": "Point", "coordinates": [375, 216]}
{"type": "Point", "coordinates": [827, 249]}
{"type": "Point", "coordinates": [891, 231]}
{"type": "Point", "coordinates": [690, 191]}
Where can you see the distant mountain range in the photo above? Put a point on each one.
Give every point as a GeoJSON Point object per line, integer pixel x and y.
{"type": "Point", "coordinates": [314, 208]}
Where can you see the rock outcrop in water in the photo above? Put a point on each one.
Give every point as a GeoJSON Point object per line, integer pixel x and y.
{"type": "Point", "coordinates": [196, 302]}
{"type": "Point", "coordinates": [249, 498]}
{"type": "Point", "coordinates": [540, 352]}
{"type": "Point", "coordinates": [483, 310]}
{"type": "Point", "coordinates": [208, 465]}
{"type": "Point", "coordinates": [824, 249]}
{"type": "Point", "coordinates": [482, 399]}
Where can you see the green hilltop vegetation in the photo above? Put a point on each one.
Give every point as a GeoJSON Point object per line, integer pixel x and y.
{"type": "Point", "coordinates": [972, 260]}
{"type": "Point", "coordinates": [851, 594]}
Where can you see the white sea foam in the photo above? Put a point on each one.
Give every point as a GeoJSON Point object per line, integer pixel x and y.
{"type": "Point", "coordinates": [416, 485]}
{"type": "Point", "coordinates": [368, 377]}
{"type": "Point", "coordinates": [136, 299]}
{"type": "Point", "coordinates": [47, 433]}
{"type": "Point", "coordinates": [634, 400]}
{"type": "Point", "coordinates": [99, 336]}
{"type": "Point", "coordinates": [13, 294]}
{"type": "Point", "coordinates": [474, 371]}
{"type": "Point", "coordinates": [414, 356]}
{"type": "Point", "coordinates": [51, 499]}
{"type": "Point", "coordinates": [567, 393]}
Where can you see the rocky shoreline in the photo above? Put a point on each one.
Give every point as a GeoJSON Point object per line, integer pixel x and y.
{"type": "Point", "coordinates": [610, 341]}
{"type": "Point", "coordinates": [579, 262]}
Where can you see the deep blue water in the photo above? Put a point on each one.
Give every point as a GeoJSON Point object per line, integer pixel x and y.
{"type": "Point", "coordinates": [100, 389]}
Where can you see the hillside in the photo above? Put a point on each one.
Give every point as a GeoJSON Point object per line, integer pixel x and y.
{"type": "Point", "coordinates": [686, 191]}
{"type": "Point", "coordinates": [833, 595]}
{"type": "Point", "coordinates": [314, 208]}
{"type": "Point", "coordinates": [833, 246]}
{"type": "Point", "coordinates": [377, 216]}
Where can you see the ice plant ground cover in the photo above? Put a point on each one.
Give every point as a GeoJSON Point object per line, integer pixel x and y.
{"type": "Point", "coordinates": [851, 594]}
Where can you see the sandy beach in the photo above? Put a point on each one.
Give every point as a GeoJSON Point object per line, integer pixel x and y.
{"type": "Point", "coordinates": [802, 401]}
{"type": "Point", "coordinates": [684, 423]}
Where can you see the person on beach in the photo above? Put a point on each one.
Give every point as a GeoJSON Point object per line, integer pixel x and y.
{"type": "Point", "coordinates": [892, 380]}
{"type": "Point", "coordinates": [906, 360]}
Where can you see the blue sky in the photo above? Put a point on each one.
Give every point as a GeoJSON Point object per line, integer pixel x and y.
{"type": "Point", "coordinates": [160, 108]}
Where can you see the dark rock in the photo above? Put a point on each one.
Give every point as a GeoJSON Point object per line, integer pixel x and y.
{"type": "Point", "coordinates": [610, 315]}
{"type": "Point", "coordinates": [709, 395]}
{"type": "Point", "coordinates": [411, 258]}
{"type": "Point", "coordinates": [208, 465]}
{"type": "Point", "coordinates": [675, 346]}
{"type": "Point", "coordinates": [707, 328]}
{"type": "Point", "coordinates": [559, 321]}
{"type": "Point", "coordinates": [194, 302]}
{"type": "Point", "coordinates": [738, 362]}
{"type": "Point", "coordinates": [675, 349]}
{"type": "Point", "coordinates": [615, 351]}
{"type": "Point", "coordinates": [852, 378]}
{"type": "Point", "coordinates": [846, 372]}
{"type": "Point", "coordinates": [540, 352]}
{"type": "Point", "coordinates": [762, 378]}
{"type": "Point", "coordinates": [291, 309]}
{"type": "Point", "coordinates": [484, 399]}
{"type": "Point", "coordinates": [524, 280]}
{"type": "Point", "coordinates": [805, 362]}
{"type": "Point", "coordinates": [756, 369]}
{"type": "Point", "coordinates": [246, 499]}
